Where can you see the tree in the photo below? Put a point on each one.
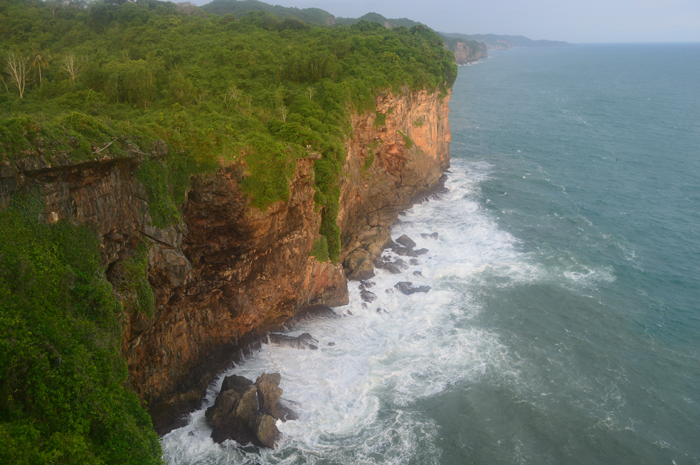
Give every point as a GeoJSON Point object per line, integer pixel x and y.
{"type": "Point", "coordinates": [71, 65]}
{"type": "Point", "coordinates": [284, 111]}
{"type": "Point", "coordinates": [17, 68]}
{"type": "Point", "coordinates": [232, 95]}
{"type": "Point", "coordinates": [40, 60]}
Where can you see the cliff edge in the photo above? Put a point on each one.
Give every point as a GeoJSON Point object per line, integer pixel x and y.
{"type": "Point", "coordinates": [229, 272]}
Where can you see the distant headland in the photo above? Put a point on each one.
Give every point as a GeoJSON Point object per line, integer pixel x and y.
{"type": "Point", "coordinates": [467, 48]}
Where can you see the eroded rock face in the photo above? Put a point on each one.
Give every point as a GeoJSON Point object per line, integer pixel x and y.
{"type": "Point", "coordinates": [251, 271]}
{"type": "Point", "coordinates": [411, 152]}
{"type": "Point", "coordinates": [246, 412]}
{"type": "Point", "coordinates": [229, 272]}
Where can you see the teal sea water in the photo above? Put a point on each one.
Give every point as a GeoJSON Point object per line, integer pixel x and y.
{"type": "Point", "coordinates": [563, 324]}
{"type": "Point", "coordinates": [593, 157]}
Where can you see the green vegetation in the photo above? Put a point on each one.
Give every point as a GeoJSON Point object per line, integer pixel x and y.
{"type": "Point", "coordinates": [256, 91]}
{"type": "Point", "coordinates": [320, 249]}
{"type": "Point", "coordinates": [131, 282]}
{"type": "Point", "coordinates": [368, 162]}
{"type": "Point", "coordinates": [406, 140]}
{"type": "Point", "coordinates": [380, 120]}
{"type": "Point", "coordinates": [62, 398]}
{"type": "Point", "coordinates": [377, 18]}
{"type": "Point", "coordinates": [239, 8]}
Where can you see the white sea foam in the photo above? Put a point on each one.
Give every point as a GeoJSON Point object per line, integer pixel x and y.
{"type": "Point", "coordinates": [355, 396]}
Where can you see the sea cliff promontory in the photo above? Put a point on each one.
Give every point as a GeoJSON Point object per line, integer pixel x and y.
{"type": "Point", "coordinates": [172, 187]}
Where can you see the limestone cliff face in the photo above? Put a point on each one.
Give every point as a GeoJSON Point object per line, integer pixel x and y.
{"type": "Point", "coordinates": [230, 272]}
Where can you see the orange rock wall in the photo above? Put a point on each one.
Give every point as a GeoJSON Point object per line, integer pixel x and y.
{"type": "Point", "coordinates": [373, 194]}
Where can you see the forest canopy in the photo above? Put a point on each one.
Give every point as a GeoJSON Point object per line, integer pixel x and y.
{"type": "Point", "coordinates": [259, 89]}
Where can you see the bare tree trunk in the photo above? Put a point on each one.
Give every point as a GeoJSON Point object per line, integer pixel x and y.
{"type": "Point", "coordinates": [17, 67]}
{"type": "Point", "coordinates": [71, 65]}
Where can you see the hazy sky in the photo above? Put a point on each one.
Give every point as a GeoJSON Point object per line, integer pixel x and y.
{"type": "Point", "coordinates": [576, 21]}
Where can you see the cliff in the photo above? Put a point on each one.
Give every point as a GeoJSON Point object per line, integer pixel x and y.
{"type": "Point", "coordinates": [466, 51]}
{"type": "Point", "coordinates": [229, 272]}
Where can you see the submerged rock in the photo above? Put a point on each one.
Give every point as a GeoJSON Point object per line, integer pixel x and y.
{"type": "Point", "coordinates": [405, 251]}
{"type": "Point", "coordinates": [433, 236]}
{"type": "Point", "coordinates": [303, 341]}
{"type": "Point", "coordinates": [421, 251]}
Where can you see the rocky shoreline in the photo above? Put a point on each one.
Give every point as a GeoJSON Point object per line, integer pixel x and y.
{"type": "Point", "coordinates": [245, 411]}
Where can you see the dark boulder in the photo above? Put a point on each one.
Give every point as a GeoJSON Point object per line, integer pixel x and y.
{"type": "Point", "coordinates": [391, 268]}
{"type": "Point", "coordinates": [421, 251]}
{"type": "Point", "coordinates": [368, 296]}
{"type": "Point", "coordinates": [406, 241]}
{"type": "Point", "coordinates": [405, 252]}
{"type": "Point", "coordinates": [364, 270]}
{"type": "Point", "coordinates": [246, 412]}
{"type": "Point", "coordinates": [237, 383]}
{"type": "Point", "coordinates": [407, 288]}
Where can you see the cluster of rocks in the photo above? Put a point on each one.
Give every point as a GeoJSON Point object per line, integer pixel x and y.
{"type": "Point", "coordinates": [360, 264]}
{"type": "Point", "coordinates": [246, 412]}
{"type": "Point", "coordinates": [404, 246]}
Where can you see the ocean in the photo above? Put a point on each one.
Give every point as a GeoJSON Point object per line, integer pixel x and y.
{"type": "Point", "coordinates": [563, 321]}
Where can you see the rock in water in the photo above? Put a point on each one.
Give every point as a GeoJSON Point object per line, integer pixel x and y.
{"type": "Point", "coordinates": [421, 251]}
{"type": "Point", "coordinates": [237, 383]}
{"type": "Point", "coordinates": [269, 394]}
{"type": "Point", "coordinates": [246, 412]}
{"type": "Point", "coordinates": [407, 288]}
{"type": "Point", "coordinates": [364, 270]}
{"type": "Point", "coordinates": [406, 242]}
{"type": "Point", "coordinates": [368, 296]}
{"type": "Point", "coordinates": [267, 431]}
{"type": "Point", "coordinates": [393, 269]}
